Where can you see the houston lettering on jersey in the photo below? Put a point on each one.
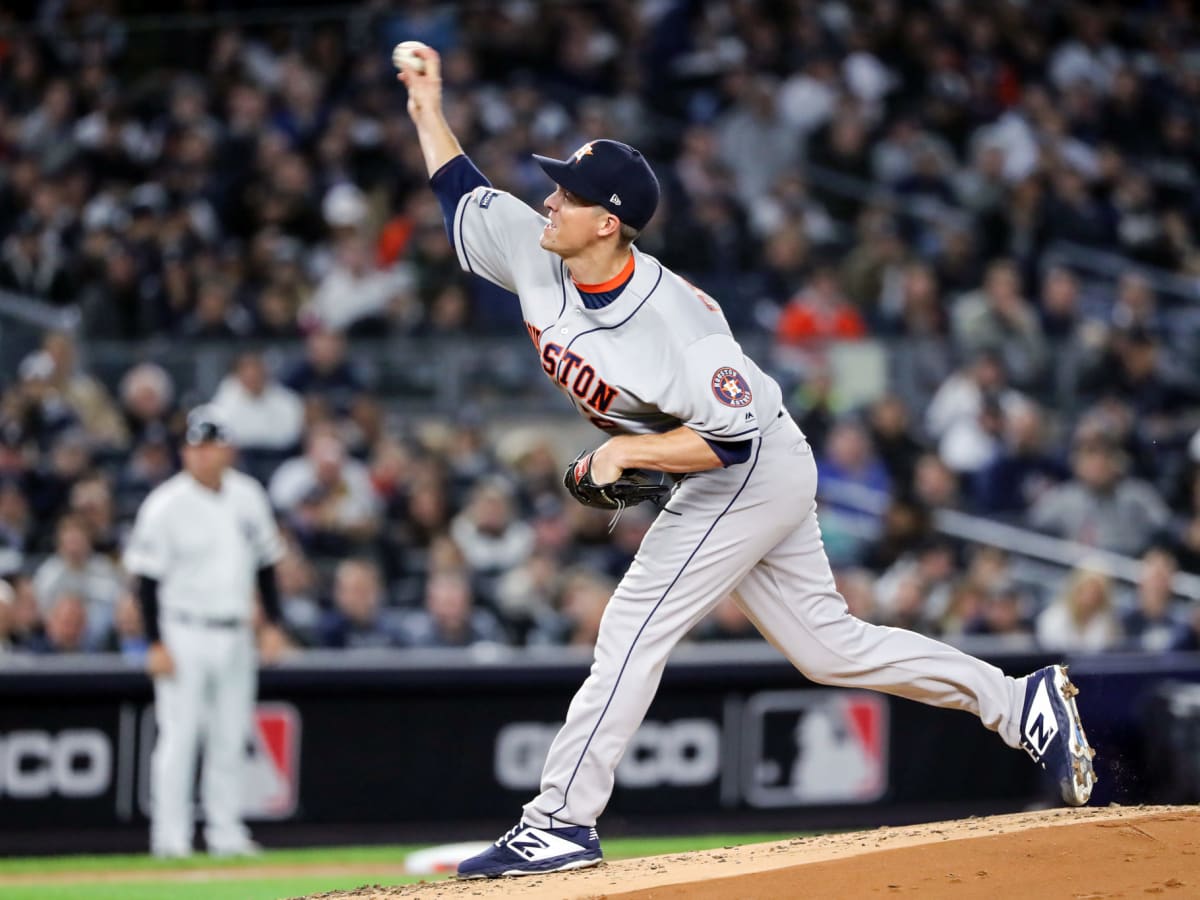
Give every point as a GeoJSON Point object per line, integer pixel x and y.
{"type": "Point", "coordinates": [574, 373]}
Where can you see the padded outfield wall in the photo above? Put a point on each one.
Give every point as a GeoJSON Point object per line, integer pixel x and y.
{"type": "Point", "coordinates": [394, 746]}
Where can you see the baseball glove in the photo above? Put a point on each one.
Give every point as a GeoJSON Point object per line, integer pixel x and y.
{"type": "Point", "coordinates": [634, 485]}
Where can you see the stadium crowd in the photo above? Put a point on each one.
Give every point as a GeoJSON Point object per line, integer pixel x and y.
{"type": "Point", "coordinates": [832, 171]}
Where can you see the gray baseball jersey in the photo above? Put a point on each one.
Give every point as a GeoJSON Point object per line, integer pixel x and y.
{"type": "Point", "coordinates": [661, 355]}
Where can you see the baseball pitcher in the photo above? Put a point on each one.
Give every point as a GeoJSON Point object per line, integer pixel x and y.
{"type": "Point", "coordinates": [650, 360]}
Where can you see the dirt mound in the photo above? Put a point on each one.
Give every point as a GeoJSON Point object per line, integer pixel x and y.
{"type": "Point", "coordinates": [1085, 854]}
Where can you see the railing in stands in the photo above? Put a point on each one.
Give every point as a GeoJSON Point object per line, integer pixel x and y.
{"type": "Point", "coordinates": [1014, 540]}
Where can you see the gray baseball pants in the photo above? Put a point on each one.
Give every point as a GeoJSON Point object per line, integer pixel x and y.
{"type": "Point", "coordinates": [751, 530]}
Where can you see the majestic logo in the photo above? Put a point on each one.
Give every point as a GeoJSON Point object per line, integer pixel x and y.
{"type": "Point", "coordinates": [585, 150]}
{"type": "Point", "coordinates": [1041, 725]}
{"type": "Point", "coordinates": [486, 200]}
{"type": "Point", "coordinates": [731, 388]}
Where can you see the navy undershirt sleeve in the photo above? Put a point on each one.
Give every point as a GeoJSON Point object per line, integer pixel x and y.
{"type": "Point", "coordinates": [148, 599]}
{"type": "Point", "coordinates": [457, 177]}
{"type": "Point", "coordinates": [730, 452]}
{"type": "Point", "coordinates": [268, 592]}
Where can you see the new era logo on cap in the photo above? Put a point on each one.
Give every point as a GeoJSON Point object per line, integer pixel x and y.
{"type": "Point", "coordinates": [604, 168]}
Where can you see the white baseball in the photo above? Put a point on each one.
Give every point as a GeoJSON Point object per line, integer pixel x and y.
{"type": "Point", "coordinates": [404, 58]}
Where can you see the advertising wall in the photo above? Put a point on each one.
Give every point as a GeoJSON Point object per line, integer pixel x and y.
{"type": "Point", "coordinates": [443, 738]}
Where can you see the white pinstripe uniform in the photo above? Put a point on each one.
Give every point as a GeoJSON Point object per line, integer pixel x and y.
{"type": "Point", "coordinates": [204, 548]}
{"type": "Point", "coordinates": [659, 356]}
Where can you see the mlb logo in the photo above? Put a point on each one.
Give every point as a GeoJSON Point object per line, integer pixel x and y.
{"type": "Point", "coordinates": [270, 776]}
{"type": "Point", "coordinates": [813, 748]}
{"type": "Point", "coordinates": [271, 769]}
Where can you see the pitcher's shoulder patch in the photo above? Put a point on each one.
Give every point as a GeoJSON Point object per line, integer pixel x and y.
{"type": "Point", "coordinates": [731, 388]}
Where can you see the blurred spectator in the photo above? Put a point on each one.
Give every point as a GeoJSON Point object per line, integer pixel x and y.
{"type": "Point", "coordinates": [1059, 304]}
{"type": "Point", "coordinates": [149, 464]}
{"type": "Point", "coordinates": [1002, 615]}
{"type": "Point", "coordinates": [726, 622]}
{"type": "Point", "coordinates": [820, 312]}
{"type": "Point", "coordinates": [66, 627]}
{"type": "Point", "coordinates": [907, 606]}
{"type": "Point", "coordinates": [935, 486]}
{"type": "Point", "coordinates": [356, 297]}
{"type": "Point", "coordinates": [32, 261]}
{"type": "Point", "coordinates": [1081, 618]}
{"type": "Point", "coordinates": [297, 580]}
{"type": "Point", "coordinates": [68, 460]}
{"type": "Point", "coordinates": [216, 317]}
{"type": "Point", "coordinates": [752, 140]}
{"type": "Point", "coordinates": [76, 570]}
{"type": "Point", "coordinates": [262, 414]}
{"type": "Point", "coordinates": [907, 527]}
{"type": "Point", "coordinates": [965, 610]}
{"type": "Point", "coordinates": [1101, 506]}
{"type": "Point", "coordinates": [1188, 635]}
{"type": "Point", "coordinates": [25, 624]}
{"type": "Point", "coordinates": [851, 473]}
{"type": "Point", "coordinates": [857, 587]}
{"type": "Point", "coordinates": [450, 617]}
{"type": "Point", "coordinates": [325, 495]}
{"type": "Point", "coordinates": [39, 407]}
{"type": "Point", "coordinates": [956, 415]}
{"type": "Point", "coordinates": [915, 591]}
{"type": "Point", "coordinates": [128, 635]}
{"type": "Point", "coordinates": [325, 372]}
{"type": "Point", "coordinates": [581, 606]}
{"type": "Point", "coordinates": [525, 595]}
{"type": "Point", "coordinates": [358, 618]}
{"type": "Point", "coordinates": [147, 400]}
{"type": "Point", "coordinates": [16, 525]}
{"type": "Point", "coordinates": [999, 317]}
{"type": "Point", "coordinates": [492, 539]}
{"type": "Point", "coordinates": [91, 499]}
{"type": "Point", "coordinates": [891, 434]}
{"type": "Point", "coordinates": [88, 399]}
{"type": "Point", "coordinates": [1150, 626]}
{"type": "Point", "coordinates": [1022, 471]}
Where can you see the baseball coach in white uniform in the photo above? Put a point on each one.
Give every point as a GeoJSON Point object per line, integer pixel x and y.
{"type": "Point", "coordinates": [203, 541]}
{"type": "Point", "coordinates": [651, 361]}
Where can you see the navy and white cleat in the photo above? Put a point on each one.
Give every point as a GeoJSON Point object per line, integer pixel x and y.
{"type": "Point", "coordinates": [1052, 733]}
{"type": "Point", "coordinates": [526, 850]}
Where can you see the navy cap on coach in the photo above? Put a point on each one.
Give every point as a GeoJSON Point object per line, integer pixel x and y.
{"type": "Point", "coordinates": [205, 425]}
{"type": "Point", "coordinates": [609, 173]}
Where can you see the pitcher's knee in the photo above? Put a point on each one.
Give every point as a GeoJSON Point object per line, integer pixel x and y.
{"type": "Point", "coordinates": [838, 652]}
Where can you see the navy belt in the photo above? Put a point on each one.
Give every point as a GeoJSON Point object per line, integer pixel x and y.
{"type": "Point", "coordinates": [205, 621]}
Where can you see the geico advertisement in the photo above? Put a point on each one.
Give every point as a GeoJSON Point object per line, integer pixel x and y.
{"type": "Point", "coordinates": [772, 749]}
{"type": "Point", "coordinates": [76, 764]}
{"type": "Point", "coordinates": [72, 763]}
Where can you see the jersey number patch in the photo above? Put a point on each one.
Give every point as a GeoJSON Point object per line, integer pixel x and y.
{"type": "Point", "coordinates": [731, 388]}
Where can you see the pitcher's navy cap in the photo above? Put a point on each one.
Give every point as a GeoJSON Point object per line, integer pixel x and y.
{"type": "Point", "coordinates": [609, 173]}
{"type": "Point", "coordinates": [206, 425]}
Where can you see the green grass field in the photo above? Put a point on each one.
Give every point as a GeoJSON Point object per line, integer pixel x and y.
{"type": "Point", "coordinates": [297, 872]}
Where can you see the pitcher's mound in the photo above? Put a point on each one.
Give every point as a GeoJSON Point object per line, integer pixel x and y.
{"type": "Point", "coordinates": [1083, 854]}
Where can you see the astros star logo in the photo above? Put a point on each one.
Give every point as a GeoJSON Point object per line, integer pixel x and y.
{"type": "Point", "coordinates": [731, 388]}
{"type": "Point", "coordinates": [585, 150]}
